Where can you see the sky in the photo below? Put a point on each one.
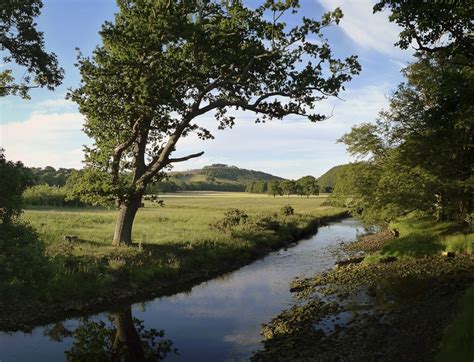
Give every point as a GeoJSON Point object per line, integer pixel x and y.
{"type": "Point", "coordinates": [47, 130]}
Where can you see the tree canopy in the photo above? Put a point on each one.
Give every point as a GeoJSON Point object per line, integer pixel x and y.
{"type": "Point", "coordinates": [21, 43]}
{"type": "Point", "coordinates": [163, 64]}
{"type": "Point", "coordinates": [419, 155]}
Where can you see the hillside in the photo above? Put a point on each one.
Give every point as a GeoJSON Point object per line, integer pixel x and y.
{"type": "Point", "coordinates": [328, 179]}
{"type": "Point", "coordinates": [222, 173]}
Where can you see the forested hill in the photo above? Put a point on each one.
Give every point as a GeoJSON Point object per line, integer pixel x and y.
{"type": "Point", "coordinates": [224, 173]}
{"type": "Point", "coordinates": [327, 180]}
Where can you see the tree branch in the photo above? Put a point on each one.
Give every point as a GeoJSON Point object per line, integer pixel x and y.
{"type": "Point", "coordinates": [181, 159]}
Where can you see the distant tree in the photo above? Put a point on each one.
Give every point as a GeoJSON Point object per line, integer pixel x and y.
{"type": "Point", "coordinates": [288, 187]}
{"type": "Point", "coordinates": [164, 64]}
{"type": "Point", "coordinates": [309, 185]}
{"type": "Point", "coordinates": [15, 179]}
{"type": "Point", "coordinates": [260, 187]}
{"type": "Point", "coordinates": [274, 188]}
{"type": "Point", "coordinates": [299, 189]}
{"type": "Point", "coordinates": [21, 43]}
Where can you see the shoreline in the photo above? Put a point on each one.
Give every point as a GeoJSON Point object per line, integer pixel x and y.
{"type": "Point", "coordinates": [396, 310]}
{"type": "Point", "coordinates": [14, 319]}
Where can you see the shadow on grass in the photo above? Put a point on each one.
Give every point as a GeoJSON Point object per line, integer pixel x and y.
{"type": "Point", "coordinates": [413, 245]}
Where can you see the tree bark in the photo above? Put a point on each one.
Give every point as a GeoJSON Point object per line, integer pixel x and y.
{"type": "Point", "coordinates": [124, 223]}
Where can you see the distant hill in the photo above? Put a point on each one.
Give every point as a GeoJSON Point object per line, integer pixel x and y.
{"type": "Point", "coordinates": [328, 180]}
{"type": "Point", "coordinates": [222, 173]}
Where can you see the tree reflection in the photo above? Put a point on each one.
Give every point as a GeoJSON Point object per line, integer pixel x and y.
{"type": "Point", "coordinates": [123, 338]}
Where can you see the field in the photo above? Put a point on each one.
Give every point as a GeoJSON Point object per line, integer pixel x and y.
{"type": "Point", "coordinates": [185, 218]}
{"type": "Point", "coordinates": [182, 242]}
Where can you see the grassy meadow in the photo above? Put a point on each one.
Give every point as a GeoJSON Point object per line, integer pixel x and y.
{"type": "Point", "coordinates": [185, 218]}
{"type": "Point", "coordinates": [182, 242]}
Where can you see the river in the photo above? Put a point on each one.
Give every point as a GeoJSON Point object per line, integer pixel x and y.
{"type": "Point", "coordinates": [218, 320]}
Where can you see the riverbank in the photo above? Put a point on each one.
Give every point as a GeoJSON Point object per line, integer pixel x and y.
{"type": "Point", "coordinates": [87, 276]}
{"type": "Point", "coordinates": [394, 305]}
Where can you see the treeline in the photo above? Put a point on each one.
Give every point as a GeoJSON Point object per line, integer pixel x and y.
{"type": "Point", "coordinates": [45, 195]}
{"type": "Point", "coordinates": [175, 185]}
{"type": "Point", "coordinates": [419, 154]}
{"type": "Point", "coordinates": [305, 186]}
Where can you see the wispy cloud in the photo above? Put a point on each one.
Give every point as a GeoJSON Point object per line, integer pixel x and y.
{"type": "Point", "coordinates": [368, 30]}
{"type": "Point", "coordinates": [290, 148]}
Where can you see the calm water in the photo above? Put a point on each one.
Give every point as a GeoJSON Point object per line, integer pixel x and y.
{"type": "Point", "coordinates": [218, 320]}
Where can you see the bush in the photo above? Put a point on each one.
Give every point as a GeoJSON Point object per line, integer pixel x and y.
{"type": "Point", "coordinates": [232, 217]}
{"type": "Point", "coordinates": [24, 268]}
{"type": "Point", "coordinates": [287, 210]}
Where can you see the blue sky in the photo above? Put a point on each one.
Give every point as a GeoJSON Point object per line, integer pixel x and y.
{"type": "Point", "coordinates": [46, 130]}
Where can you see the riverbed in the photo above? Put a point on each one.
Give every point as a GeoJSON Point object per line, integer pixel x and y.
{"type": "Point", "coordinates": [218, 320]}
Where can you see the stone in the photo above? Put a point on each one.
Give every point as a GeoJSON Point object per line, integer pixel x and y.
{"type": "Point", "coordinates": [448, 254]}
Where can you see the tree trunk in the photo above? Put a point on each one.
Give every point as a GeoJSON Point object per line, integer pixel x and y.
{"type": "Point", "coordinates": [127, 345]}
{"type": "Point", "coordinates": [124, 224]}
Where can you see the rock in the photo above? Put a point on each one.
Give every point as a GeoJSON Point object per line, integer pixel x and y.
{"type": "Point", "coordinates": [448, 254]}
{"type": "Point", "coordinates": [349, 261]}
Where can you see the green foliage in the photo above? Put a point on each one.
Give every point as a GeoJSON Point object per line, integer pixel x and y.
{"type": "Point", "coordinates": [288, 187]}
{"type": "Point", "coordinates": [50, 176]}
{"type": "Point", "coordinates": [419, 154]}
{"type": "Point", "coordinates": [308, 186]}
{"type": "Point", "coordinates": [433, 26]}
{"type": "Point", "coordinates": [457, 343]}
{"type": "Point", "coordinates": [232, 218]}
{"type": "Point", "coordinates": [44, 195]}
{"type": "Point", "coordinates": [287, 210]}
{"type": "Point", "coordinates": [24, 268]}
{"type": "Point", "coordinates": [328, 180]}
{"type": "Point", "coordinates": [273, 188]}
{"type": "Point", "coordinates": [21, 43]}
{"type": "Point", "coordinates": [404, 172]}
{"type": "Point", "coordinates": [164, 64]}
{"type": "Point", "coordinates": [15, 179]}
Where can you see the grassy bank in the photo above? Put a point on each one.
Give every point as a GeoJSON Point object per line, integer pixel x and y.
{"type": "Point", "coordinates": [395, 305]}
{"type": "Point", "coordinates": [180, 243]}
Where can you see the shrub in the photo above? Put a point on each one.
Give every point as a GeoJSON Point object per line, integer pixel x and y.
{"type": "Point", "coordinates": [232, 217]}
{"type": "Point", "coordinates": [24, 268]}
{"type": "Point", "coordinates": [287, 210]}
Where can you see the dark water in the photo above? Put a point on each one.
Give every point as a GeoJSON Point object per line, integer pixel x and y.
{"type": "Point", "coordinates": [218, 320]}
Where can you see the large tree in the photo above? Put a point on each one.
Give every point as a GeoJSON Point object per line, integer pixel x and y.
{"type": "Point", "coordinates": [163, 64]}
{"type": "Point", "coordinates": [420, 152]}
{"type": "Point", "coordinates": [23, 44]}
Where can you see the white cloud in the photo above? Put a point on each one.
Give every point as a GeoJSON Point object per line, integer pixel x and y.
{"type": "Point", "coordinates": [291, 148]}
{"type": "Point", "coordinates": [45, 139]}
{"type": "Point", "coordinates": [55, 105]}
{"type": "Point", "coordinates": [368, 30]}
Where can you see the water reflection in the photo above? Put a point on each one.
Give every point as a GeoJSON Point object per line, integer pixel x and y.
{"type": "Point", "coordinates": [122, 338]}
{"type": "Point", "coordinates": [217, 320]}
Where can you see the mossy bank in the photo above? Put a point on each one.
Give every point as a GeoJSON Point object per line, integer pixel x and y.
{"type": "Point", "coordinates": [404, 301]}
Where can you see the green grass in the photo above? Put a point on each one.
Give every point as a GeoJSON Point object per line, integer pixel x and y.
{"type": "Point", "coordinates": [458, 339]}
{"type": "Point", "coordinates": [172, 243]}
{"type": "Point", "coordinates": [420, 237]}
